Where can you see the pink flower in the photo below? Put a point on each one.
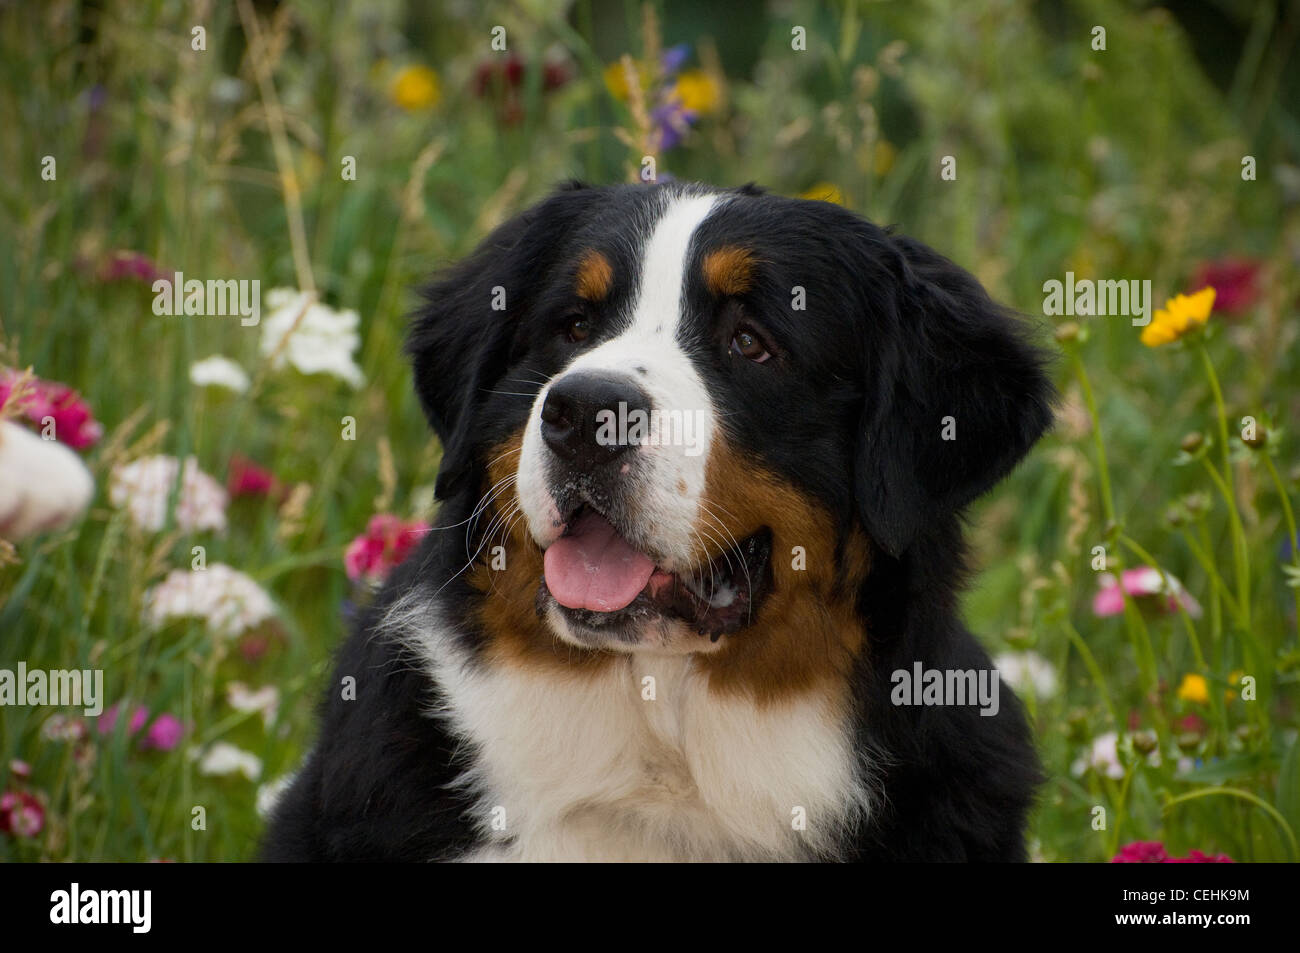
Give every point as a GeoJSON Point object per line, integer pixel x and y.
{"type": "Point", "coordinates": [246, 478]}
{"type": "Point", "coordinates": [1153, 852]}
{"type": "Point", "coordinates": [108, 720]}
{"type": "Point", "coordinates": [73, 422]}
{"type": "Point", "coordinates": [21, 815]}
{"type": "Point", "coordinates": [20, 769]}
{"type": "Point", "coordinates": [1145, 585]}
{"type": "Point", "coordinates": [1235, 281]}
{"type": "Point", "coordinates": [164, 734]}
{"type": "Point", "coordinates": [1141, 852]}
{"type": "Point", "coordinates": [131, 266]}
{"type": "Point", "coordinates": [387, 541]}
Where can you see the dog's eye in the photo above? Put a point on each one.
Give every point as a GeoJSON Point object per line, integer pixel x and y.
{"type": "Point", "coordinates": [578, 328]}
{"type": "Point", "coordinates": [749, 345]}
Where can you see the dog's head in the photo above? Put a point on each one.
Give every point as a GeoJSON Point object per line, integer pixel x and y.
{"type": "Point", "coordinates": [678, 419]}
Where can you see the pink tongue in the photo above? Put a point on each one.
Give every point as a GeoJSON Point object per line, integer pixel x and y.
{"type": "Point", "coordinates": [594, 567]}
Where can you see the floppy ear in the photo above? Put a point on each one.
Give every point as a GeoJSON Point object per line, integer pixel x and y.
{"type": "Point", "coordinates": [958, 397]}
{"type": "Point", "coordinates": [459, 342]}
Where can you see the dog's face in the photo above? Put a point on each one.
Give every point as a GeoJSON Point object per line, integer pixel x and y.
{"type": "Point", "coordinates": [691, 418]}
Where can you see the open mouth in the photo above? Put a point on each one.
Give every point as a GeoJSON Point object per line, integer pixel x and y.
{"type": "Point", "coordinates": [600, 580]}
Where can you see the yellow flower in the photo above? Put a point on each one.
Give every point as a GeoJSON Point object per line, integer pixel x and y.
{"type": "Point", "coordinates": [1234, 678]}
{"type": "Point", "coordinates": [416, 87]}
{"type": "Point", "coordinates": [1194, 689]}
{"type": "Point", "coordinates": [616, 79]}
{"type": "Point", "coordinates": [824, 192]}
{"type": "Point", "coordinates": [697, 91]}
{"type": "Point", "coordinates": [1181, 314]}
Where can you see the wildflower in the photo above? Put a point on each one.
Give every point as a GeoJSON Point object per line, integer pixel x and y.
{"type": "Point", "coordinates": [64, 728]}
{"type": "Point", "coordinates": [20, 769]}
{"type": "Point", "coordinates": [1146, 586]}
{"type": "Point", "coordinates": [1154, 852]}
{"type": "Point", "coordinates": [43, 486]}
{"type": "Point", "coordinates": [1234, 678]}
{"type": "Point", "coordinates": [144, 487]}
{"type": "Point", "coordinates": [132, 266]}
{"type": "Point", "coordinates": [1141, 852]}
{"type": "Point", "coordinates": [218, 371]}
{"type": "Point", "coordinates": [1235, 281]}
{"type": "Point", "coordinates": [415, 88]}
{"type": "Point", "coordinates": [1194, 688]}
{"type": "Point", "coordinates": [265, 700]}
{"type": "Point", "coordinates": [311, 336]}
{"type": "Point", "coordinates": [1027, 672]}
{"type": "Point", "coordinates": [246, 478]}
{"type": "Point", "coordinates": [164, 734]}
{"type": "Point", "coordinates": [49, 404]}
{"type": "Point", "coordinates": [21, 814]}
{"type": "Point", "coordinates": [824, 192]}
{"type": "Point", "coordinates": [107, 722]}
{"type": "Point", "coordinates": [697, 91]}
{"type": "Point", "coordinates": [228, 601]}
{"type": "Point", "coordinates": [224, 759]}
{"type": "Point", "coordinates": [386, 542]}
{"type": "Point", "coordinates": [1103, 757]}
{"type": "Point", "coordinates": [1180, 315]}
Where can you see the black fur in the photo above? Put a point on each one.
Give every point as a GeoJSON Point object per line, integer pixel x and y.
{"type": "Point", "coordinates": [895, 338]}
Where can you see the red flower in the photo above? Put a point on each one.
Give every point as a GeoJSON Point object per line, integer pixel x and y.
{"type": "Point", "coordinates": [387, 541]}
{"type": "Point", "coordinates": [1235, 282]}
{"type": "Point", "coordinates": [246, 478]}
{"type": "Point", "coordinates": [21, 815]}
{"type": "Point", "coordinates": [73, 422]}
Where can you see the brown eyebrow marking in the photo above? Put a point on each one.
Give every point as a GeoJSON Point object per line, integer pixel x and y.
{"type": "Point", "coordinates": [729, 270]}
{"type": "Point", "coordinates": [595, 276]}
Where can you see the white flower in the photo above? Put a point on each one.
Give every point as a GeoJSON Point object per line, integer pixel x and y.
{"type": "Point", "coordinates": [43, 484]}
{"type": "Point", "coordinates": [266, 699]}
{"type": "Point", "coordinates": [1104, 757]}
{"type": "Point", "coordinates": [145, 485]}
{"type": "Point", "coordinates": [224, 758]}
{"type": "Point", "coordinates": [1027, 672]}
{"type": "Point", "coordinates": [218, 371]}
{"type": "Point", "coordinates": [269, 794]}
{"type": "Point", "coordinates": [226, 599]}
{"type": "Point", "coordinates": [311, 336]}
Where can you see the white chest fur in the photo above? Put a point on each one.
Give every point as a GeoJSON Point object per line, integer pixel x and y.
{"type": "Point", "coordinates": [643, 762]}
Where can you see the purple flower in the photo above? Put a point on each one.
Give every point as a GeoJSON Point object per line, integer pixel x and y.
{"type": "Point", "coordinates": [164, 734]}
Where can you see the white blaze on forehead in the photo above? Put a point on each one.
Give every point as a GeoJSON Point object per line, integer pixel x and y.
{"type": "Point", "coordinates": [658, 307]}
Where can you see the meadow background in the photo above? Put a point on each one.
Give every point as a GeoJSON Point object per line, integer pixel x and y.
{"type": "Point", "coordinates": [229, 162]}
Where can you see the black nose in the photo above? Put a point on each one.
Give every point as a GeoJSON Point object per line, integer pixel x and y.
{"type": "Point", "coordinates": [588, 417]}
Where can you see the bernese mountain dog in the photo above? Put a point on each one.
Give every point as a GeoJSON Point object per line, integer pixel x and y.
{"type": "Point", "coordinates": [705, 457]}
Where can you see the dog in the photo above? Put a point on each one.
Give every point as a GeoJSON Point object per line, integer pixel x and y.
{"type": "Point", "coordinates": [705, 458]}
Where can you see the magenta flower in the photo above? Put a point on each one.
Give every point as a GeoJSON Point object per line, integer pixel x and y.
{"type": "Point", "coordinates": [1235, 282]}
{"type": "Point", "coordinates": [131, 266]}
{"type": "Point", "coordinates": [1153, 852]}
{"type": "Point", "coordinates": [387, 541]}
{"type": "Point", "coordinates": [108, 720]}
{"type": "Point", "coordinates": [1148, 588]}
{"type": "Point", "coordinates": [164, 734]}
{"type": "Point", "coordinates": [73, 422]}
{"type": "Point", "coordinates": [21, 814]}
{"type": "Point", "coordinates": [246, 478]}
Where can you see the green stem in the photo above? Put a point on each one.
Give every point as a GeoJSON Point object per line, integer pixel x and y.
{"type": "Point", "coordinates": [1290, 526]}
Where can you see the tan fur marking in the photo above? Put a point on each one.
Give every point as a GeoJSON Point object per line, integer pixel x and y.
{"type": "Point", "coordinates": [595, 277]}
{"type": "Point", "coordinates": [729, 270]}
